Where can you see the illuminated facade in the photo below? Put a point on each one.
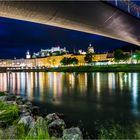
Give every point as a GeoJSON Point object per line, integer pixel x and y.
{"type": "Point", "coordinates": [101, 57]}
{"type": "Point", "coordinates": [28, 56]}
{"type": "Point", "coordinates": [91, 49]}
{"type": "Point", "coordinates": [51, 61]}
{"type": "Point", "coordinates": [50, 52]}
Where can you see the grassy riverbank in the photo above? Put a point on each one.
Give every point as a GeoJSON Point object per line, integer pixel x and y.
{"type": "Point", "coordinates": [11, 126]}
{"type": "Point", "coordinates": [102, 68]}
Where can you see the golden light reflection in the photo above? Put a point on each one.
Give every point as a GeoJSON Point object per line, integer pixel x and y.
{"type": "Point", "coordinates": [111, 81]}
{"type": "Point", "coordinates": [3, 81]}
{"type": "Point", "coordinates": [31, 84]}
{"type": "Point", "coordinates": [56, 82]}
{"type": "Point", "coordinates": [98, 84]}
{"type": "Point", "coordinates": [28, 84]}
{"type": "Point", "coordinates": [129, 80]}
{"type": "Point", "coordinates": [135, 89]}
{"type": "Point", "coordinates": [41, 85]}
{"type": "Point", "coordinates": [18, 83]}
{"type": "Point", "coordinates": [82, 80]}
{"type": "Point", "coordinates": [54, 87]}
{"type": "Point", "coordinates": [22, 84]}
{"type": "Point", "coordinates": [71, 81]}
{"type": "Point", "coordinates": [121, 81]}
{"type": "Point", "coordinates": [13, 82]}
{"type": "Point", "coordinates": [135, 93]}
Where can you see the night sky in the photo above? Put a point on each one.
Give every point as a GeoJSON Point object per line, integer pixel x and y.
{"type": "Point", "coordinates": [16, 37]}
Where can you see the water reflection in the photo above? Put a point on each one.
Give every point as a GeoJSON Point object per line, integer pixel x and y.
{"type": "Point", "coordinates": [135, 92]}
{"type": "Point", "coordinates": [110, 89]}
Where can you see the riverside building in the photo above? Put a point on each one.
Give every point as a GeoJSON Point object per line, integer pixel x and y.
{"type": "Point", "coordinates": [54, 51]}
{"type": "Point", "coordinates": [52, 61]}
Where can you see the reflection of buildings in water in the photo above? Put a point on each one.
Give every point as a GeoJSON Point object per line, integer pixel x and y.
{"type": "Point", "coordinates": [71, 81]}
{"type": "Point", "coordinates": [35, 85]}
{"type": "Point", "coordinates": [135, 91]}
{"type": "Point", "coordinates": [111, 81]}
{"type": "Point", "coordinates": [41, 85]}
{"type": "Point", "coordinates": [13, 82]}
{"type": "Point", "coordinates": [18, 83]}
{"type": "Point", "coordinates": [121, 81]}
{"type": "Point", "coordinates": [50, 82]}
{"type": "Point", "coordinates": [98, 84]}
{"type": "Point", "coordinates": [31, 85]}
{"type": "Point", "coordinates": [3, 82]}
{"type": "Point", "coordinates": [82, 82]}
{"type": "Point", "coordinates": [129, 80]}
{"type": "Point", "coordinates": [53, 85]}
{"type": "Point", "coordinates": [125, 78]}
{"type": "Point", "coordinates": [124, 81]}
{"type": "Point", "coordinates": [94, 81]}
{"type": "Point", "coordinates": [10, 82]}
{"type": "Point", "coordinates": [57, 84]}
{"type": "Point", "coordinates": [22, 83]}
{"type": "Point", "coordinates": [135, 94]}
{"type": "Point", "coordinates": [47, 82]}
{"type": "Point", "coordinates": [28, 85]}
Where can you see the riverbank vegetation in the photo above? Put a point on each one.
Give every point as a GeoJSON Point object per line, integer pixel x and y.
{"type": "Point", "coordinates": [111, 129]}
{"type": "Point", "coordinates": [99, 68]}
{"type": "Point", "coordinates": [19, 119]}
{"type": "Point", "coordinates": [14, 125]}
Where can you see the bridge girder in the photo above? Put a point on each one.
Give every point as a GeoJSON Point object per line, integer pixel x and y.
{"type": "Point", "coordinates": [93, 17]}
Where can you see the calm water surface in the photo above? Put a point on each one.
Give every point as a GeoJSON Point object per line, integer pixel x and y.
{"type": "Point", "coordinates": [82, 97]}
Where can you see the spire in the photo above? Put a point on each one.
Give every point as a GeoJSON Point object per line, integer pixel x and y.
{"type": "Point", "coordinates": [28, 54]}
{"type": "Point", "coordinates": [90, 45]}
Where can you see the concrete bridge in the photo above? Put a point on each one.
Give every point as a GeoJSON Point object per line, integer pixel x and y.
{"type": "Point", "coordinates": [95, 17]}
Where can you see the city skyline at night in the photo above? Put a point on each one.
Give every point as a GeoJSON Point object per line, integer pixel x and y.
{"type": "Point", "coordinates": [70, 70]}
{"type": "Point", "coordinates": [16, 37]}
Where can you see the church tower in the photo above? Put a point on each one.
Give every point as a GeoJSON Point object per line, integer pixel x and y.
{"type": "Point", "coordinates": [90, 48]}
{"type": "Point", "coordinates": [28, 56]}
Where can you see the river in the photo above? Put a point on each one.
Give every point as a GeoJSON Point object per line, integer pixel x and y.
{"type": "Point", "coordinates": [82, 97]}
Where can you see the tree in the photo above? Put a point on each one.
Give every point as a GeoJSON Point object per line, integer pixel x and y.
{"type": "Point", "coordinates": [88, 58]}
{"type": "Point", "coordinates": [136, 56]}
{"type": "Point", "coordinates": [64, 61]}
{"type": "Point", "coordinates": [74, 60]}
{"type": "Point", "coordinates": [126, 56]}
{"type": "Point", "coordinates": [69, 60]}
{"type": "Point", "coordinates": [119, 55]}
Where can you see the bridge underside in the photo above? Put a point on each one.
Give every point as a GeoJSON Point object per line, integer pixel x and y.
{"type": "Point", "coordinates": [93, 17]}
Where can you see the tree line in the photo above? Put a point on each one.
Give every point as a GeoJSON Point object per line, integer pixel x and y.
{"type": "Point", "coordinates": [118, 56]}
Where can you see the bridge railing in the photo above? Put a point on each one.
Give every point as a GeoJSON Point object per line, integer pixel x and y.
{"type": "Point", "coordinates": [127, 6]}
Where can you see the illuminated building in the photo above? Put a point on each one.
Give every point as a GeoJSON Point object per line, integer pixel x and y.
{"type": "Point", "coordinates": [90, 49]}
{"type": "Point", "coordinates": [52, 61]}
{"type": "Point", "coordinates": [81, 52]}
{"type": "Point", "coordinates": [54, 51]}
{"type": "Point", "coordinates": [101, 57]}
{"type": "Point", "coordinates": [28, 56]}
